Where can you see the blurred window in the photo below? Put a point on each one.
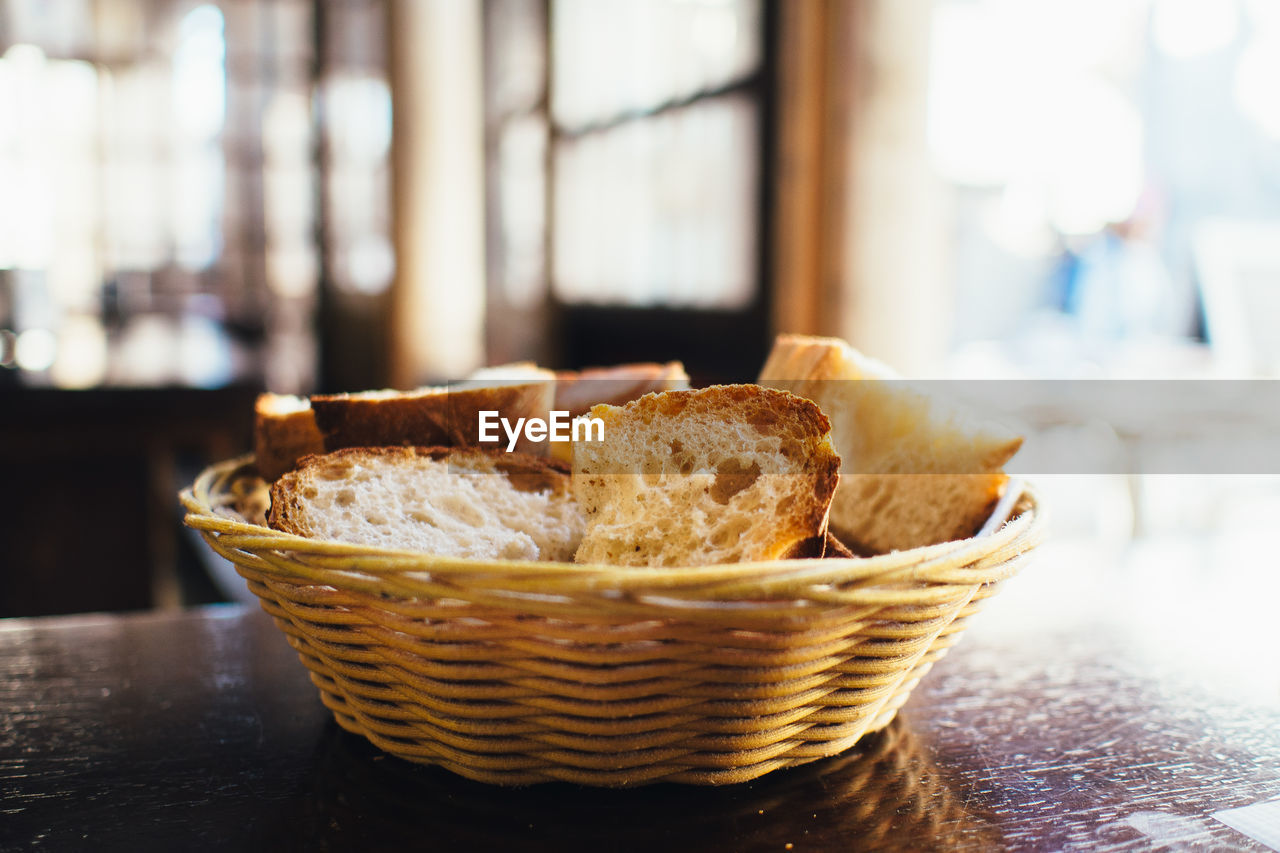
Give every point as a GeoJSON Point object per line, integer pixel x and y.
{"type": "Point", "coordinates": [1093, 153]}
{"type": "Point", "coordinates": [626, 147]}
{"type": "Point", "coordinates": [173, 201]}
{"type": "Point", "coordinates": [655, 151]}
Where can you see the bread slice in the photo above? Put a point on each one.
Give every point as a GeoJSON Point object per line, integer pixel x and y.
{"type": "Point", "coordinates": [435, 416]}
{"type": "Point", "coordinates": [717, 475]}
{"type": "Point", "coordinates": [460, 502]}
{"type": "Point", "coordinates": [917, 470]}
{"type": "Point", "coordinates": [511, 373]}
{"type": "Point", "coordinates": [287, 428]}
{"type": "Point", "coordinates": [577, 391]}
{"type": "Point", "coordinates": [284, 431]}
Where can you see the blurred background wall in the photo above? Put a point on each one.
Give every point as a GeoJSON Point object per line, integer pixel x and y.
{"type": "Point", "coordinates": [200, 200]}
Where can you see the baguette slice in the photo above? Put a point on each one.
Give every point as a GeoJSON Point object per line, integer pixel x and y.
{"type": "Point", "coordinates": [284, 431]}
{"type": "Point", "coordinates": [288, 428]}
{"type": "Point", "coordinates": [511, 373]}
{"type": "Point", "coordinates": [445, 416]}
{"type": "Point", "coordinates": [577, 391]}
{"type": "Point", "coordinates": [917, 470]}
{"type": "Point", "coordinates": [459, 502]}
{"type": "Point", "coordinates": [718, 475]}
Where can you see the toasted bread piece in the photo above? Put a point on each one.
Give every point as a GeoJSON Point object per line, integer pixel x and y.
{"type": "Point", "coordinates": [461, 502]}
{"type": "Point", "coordinates": [284, 431]}
{"type": "Point", "coordinates": [436, 416]}
{"type": "Point", "coordinates": [917, 470]}
{"type": "Point", "coordinates": [718, 475]}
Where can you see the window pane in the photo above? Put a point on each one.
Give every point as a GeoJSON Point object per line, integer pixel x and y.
{"type": "Point", "coordinates": [160, 177]}
{"type": "Point", "coordinates": [660, 210]}
{"type": "Point", "coordinates": [611, 57]}
{"type": "Point", "coordinates": [521, 153]}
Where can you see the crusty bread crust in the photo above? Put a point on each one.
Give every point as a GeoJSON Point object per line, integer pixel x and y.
{"type": "Point", "coordinates": [284, 431]}
{"type": "Point", "coordinates": [578, 391]}
{"type": "Point", "coordinates": [916, 473]}
{"type": "Point", "coordinates": [428, 417]}
{"type": "Point", "coordinates": [648, 450]}
{"type": "Point", "coordinates": [811, 358]}
{"type": "Point", "coordinates": [834, 549]}
{"type": "Point", "coordinates": [445, 416]}
{"type": "Point", "coordinates": [288, 428]}
{"type": "Point", "coordinates": [525, 472]}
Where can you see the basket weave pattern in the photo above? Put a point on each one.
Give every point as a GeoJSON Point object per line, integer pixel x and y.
{"type": "Point", "coordinates": [514, 673]}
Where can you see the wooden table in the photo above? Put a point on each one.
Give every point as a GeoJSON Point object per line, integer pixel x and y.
{"type": "Point", "coordinates": [1101, 703]}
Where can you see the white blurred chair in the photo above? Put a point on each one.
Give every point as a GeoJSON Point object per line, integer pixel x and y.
{"type": "Point", "coordinates": [1239, 268]}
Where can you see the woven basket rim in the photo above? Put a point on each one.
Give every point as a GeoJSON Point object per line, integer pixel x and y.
{"type": "Point", "coordinates": [1017, 516]}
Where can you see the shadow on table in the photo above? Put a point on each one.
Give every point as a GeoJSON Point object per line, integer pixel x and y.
{"type": "Point", "coordinates": [885, 793]}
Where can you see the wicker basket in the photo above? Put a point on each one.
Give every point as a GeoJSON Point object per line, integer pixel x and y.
{"type": "Point", "coordinates": [517, 672]}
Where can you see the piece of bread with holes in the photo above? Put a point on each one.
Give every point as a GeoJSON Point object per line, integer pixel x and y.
{"type": "Point", "coordinates": [917, 470]}
{"type": "Point", "coordinates": [723, 474]}
{"type": "Point", "coordinates": [459, 502]}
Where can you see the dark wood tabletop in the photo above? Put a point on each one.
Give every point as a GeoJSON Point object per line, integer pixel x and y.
{"type": "Point", "coordinates": [1102, 702]}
